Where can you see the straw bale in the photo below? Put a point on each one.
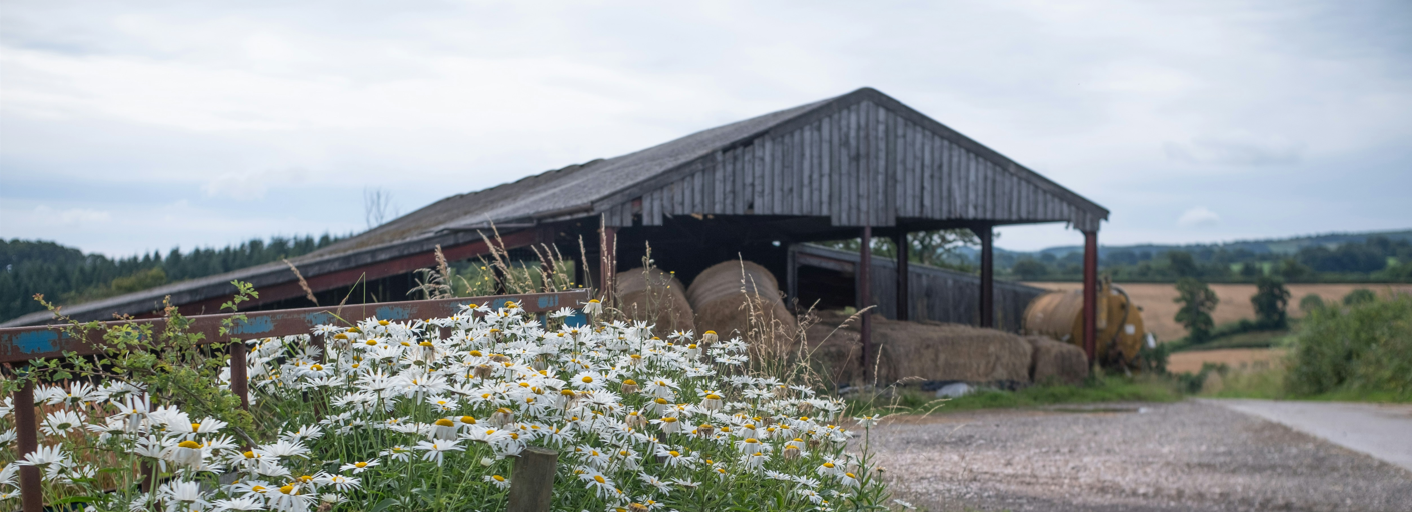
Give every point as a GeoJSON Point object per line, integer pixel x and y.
{"type": "Point", "coordinates": [930, 351]}
{"type": "Point", "coordinates": [722, 302]}
{"type": "Point", "coordinates": [1056, 361]}
{"type": "Point", "coordinates": [657, 297]}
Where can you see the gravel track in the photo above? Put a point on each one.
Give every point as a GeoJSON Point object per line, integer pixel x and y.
{"type": "Point", "coordinates": [1178, 456]}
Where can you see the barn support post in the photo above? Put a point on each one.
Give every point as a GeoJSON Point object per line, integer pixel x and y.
{"type": "Point", "coordinates": [27, 442]}
{"type": "Point", "coordinates": [904, 275]}
{"type": "Point", "coordinates": [865, 297]}
{"type": "Point", "coordinates": [987, 306]}
{"type": "Point", "coordinates": [1090, 294]}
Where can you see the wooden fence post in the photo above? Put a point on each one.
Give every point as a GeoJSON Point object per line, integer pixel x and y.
{"type": "Point", "coordinates": [27, 442]}
{"type": "Point", "coordinates": [532, 482]}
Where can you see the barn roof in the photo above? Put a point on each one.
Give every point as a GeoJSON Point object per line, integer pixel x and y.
{"type": "Point", "coordinates": [860, 158]}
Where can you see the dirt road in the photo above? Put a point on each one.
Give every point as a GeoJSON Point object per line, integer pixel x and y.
{"type": "Point", "coordinates": [1146, 457]}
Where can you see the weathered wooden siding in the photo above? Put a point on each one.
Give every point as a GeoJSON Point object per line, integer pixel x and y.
{"type": "Point", "coordinates": [861, 164]}
{"type": "Point", "coordinates": [934, 293]}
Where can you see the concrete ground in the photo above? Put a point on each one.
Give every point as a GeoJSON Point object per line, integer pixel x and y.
{"type": "Point", "coordinates": [1190, 455]}
{"type": "Point", "coordinates": [1383, 431]}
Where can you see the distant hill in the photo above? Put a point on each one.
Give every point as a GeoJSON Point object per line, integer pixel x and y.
{"type": "Point", "coordinates": [1381, 256]}
{"type": "Point", "coordinates": [1273, 246]}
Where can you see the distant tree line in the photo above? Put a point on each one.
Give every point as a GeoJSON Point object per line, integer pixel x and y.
{"type": "Point", "coordinates": [1376, 259]}
{"type": "Point", "coordinates": [70, 276]}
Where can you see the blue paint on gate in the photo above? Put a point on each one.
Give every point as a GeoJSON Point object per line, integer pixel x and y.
{"type": "Point", "coordinates": [575, 320]}
{"type": "Point", "coordinates": [393, 313]}
{"type": "Point", "coordinates": [318, 318]}
{"type": "Point", "coordinates": [257, 325]}
{"type": "Point", "coordinates": [548, 301]}
{"type": "Point", "coordinates": [37, 341]}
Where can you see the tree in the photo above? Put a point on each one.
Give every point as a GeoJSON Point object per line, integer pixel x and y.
{"type": "Point", "coordinates": [1293, 270]}
{"type": "Point", "coordinates": [1311, 303]}
{"type": "Point", "coordinates": [1029, 269]}
{"type": "Point", "coordinates": [1182, 264]}
{"type": "Point", "coordinates": [1270, 300]}
{"type": "Point", "coordinates": [1359, 296]}
{"type": "Point", "coordinates": [1198, 301]}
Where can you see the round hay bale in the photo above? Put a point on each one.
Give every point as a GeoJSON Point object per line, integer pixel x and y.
{"type": "Point", "coordinates": [724, 295]}
{"type": "Point", "coordinates": [656, 297]}
{"type": "Point", "coordinates": [929, 351]}
{"type": "Point", "coordinates": [1056, 362]}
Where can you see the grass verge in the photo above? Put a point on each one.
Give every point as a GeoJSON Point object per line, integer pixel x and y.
{"type": "Point", "coordinates": [1100, 389]}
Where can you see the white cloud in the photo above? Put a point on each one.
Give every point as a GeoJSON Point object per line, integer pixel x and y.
{"type": "Point", "coordinates": [1198, 217]}
{"type": "Point", "coordinates": [252, 185]}
{"type": "Point", "coordinates": [69, 217]}
{"type": "Point", "coordinates": [1121, 101]}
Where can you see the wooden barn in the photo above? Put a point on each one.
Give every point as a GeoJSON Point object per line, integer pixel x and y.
{"type": "Point", "coordinates": [858, 165]}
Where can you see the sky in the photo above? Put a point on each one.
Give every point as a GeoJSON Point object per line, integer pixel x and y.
{"type": "Point", "coordinates": [128, 127]}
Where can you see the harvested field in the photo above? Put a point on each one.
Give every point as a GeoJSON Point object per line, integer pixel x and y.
{"type": "Point", "coordinates": [1236, 358]}
{"type": "Point", "coordinates": [1184, 456]}
{"type": "Point", "coordinates": [1159, 310]}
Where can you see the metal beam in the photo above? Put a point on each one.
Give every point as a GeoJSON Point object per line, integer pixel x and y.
{"type": "Point", "coordinates": [19, 344]}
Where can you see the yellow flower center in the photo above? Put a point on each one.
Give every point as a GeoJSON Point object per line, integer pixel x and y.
{"type": "Point", "coordinates": [317, 367]}
{"type": "Point", "coordinates": [249, 454]}
{"type": "Point", "coordinates": [669, 419]}
{"type": "Point", "coordinates": [629, 382]}
{"type": "Point", "coordinates": [383, 323]}
{"type": "Point", "coordinates": [193, 445]}
{"type": "Point", "coordinates": [443, 422]}
{"type": "Point", "coordinates": [360, 465]}
{"type": "Point", "coordinates": [587, 379]}
{"type": "Point", "coordinates": [468, 420]}
{"type": "Point", "coordinates": [498, 478]}
{"type": "Point", "coordinates": [713, 397]}
{"type": "Point", "coordinates": [289, 489]}
{"type": "Point", "coordinates": [828, 465]}
{"type": "Point", "coordinates": [599, 479]}
{"type": "Point", "coordinates": [372, 342]}
{"type": "Point", "coordinates": [674, 453]}
{"type": "Point", "coordinates": [195, 426]}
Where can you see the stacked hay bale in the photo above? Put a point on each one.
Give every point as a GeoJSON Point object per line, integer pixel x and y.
{"type": "Point", "coordinates": [929, 351]}
{"type": "Point", "coordinates": [724, 296]}
{"type": "Point", "coordinates": [655, 296]}
{"type": "Point", "coordinates": [1056, 362]}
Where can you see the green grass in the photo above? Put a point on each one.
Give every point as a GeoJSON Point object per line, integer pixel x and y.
{"type": "Point", "coordinates": [1252, 339]}
{"type": "Point", "coordinates": [1141, 388]}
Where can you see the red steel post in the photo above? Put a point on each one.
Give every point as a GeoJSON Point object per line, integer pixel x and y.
{"type": "Point", "coordinates": [27, 442]}
{"type": "Point", "coordinates": [1090, 294]}
{"type": "Point", "coordinates": [865, 298]}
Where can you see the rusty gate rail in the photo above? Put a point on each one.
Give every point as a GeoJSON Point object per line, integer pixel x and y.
{"type": "Point", "coordinates": [22, 344]}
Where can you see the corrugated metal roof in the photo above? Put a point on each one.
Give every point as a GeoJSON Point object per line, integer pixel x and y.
{"type": "Point", "coordinates": [580, 190]}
